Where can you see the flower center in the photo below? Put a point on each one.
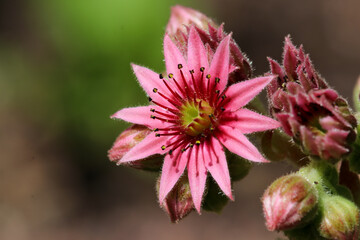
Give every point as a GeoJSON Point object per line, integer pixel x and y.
{"type": "Point", "coordinates": [196, 117]}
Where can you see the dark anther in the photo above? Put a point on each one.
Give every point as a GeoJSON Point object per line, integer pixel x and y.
{"type": "Point", "coordinates": [197, 142]}
{"type": "Point", "coordinates": [157, 134]}
{"type": "Point", "coordinates": [163, 147]}
{"type": "Point", "coordinates": [192, 71]}
{"type": "Point", "coordinates": [223, 96]}
{"type": "Point", "coordinates": [152, 116]}
{"type": "Point", "coordinates": [222, 109]}
{"type": "Point", "coordinates": [150, 99]}
{"type": "Point", "coordinates": [155, 90]}
{"type": "Point", "coordinates": [180, 66]}
{"type": "Point", "coordinates": [202, 69]}
{"type": "Point", "coordinates": [155, 129]}
{"type": "Point", "coordinates": [316, 182]}
{"type": "Point", "coordinates": [152, 110]}
{"type": "Point", "coordinates": [208, 76]}
{"type": "Point", "coordinates": [161, 76]}
{"type": "Point", "coordinates": [171, 75]}
{"type": "Point", "coordinates": [183, 150]}
{"type": "Point", "coordinates": [191, 145]}
{"type": "Point", "coordinates": [217, 80]}
{"type": "Point", "coordinates": [170, 151]}
{"type": "Point", "coordinates": [217, 91]}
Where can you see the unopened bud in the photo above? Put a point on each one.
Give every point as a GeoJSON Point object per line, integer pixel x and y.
{"type": "Point", "coordinates": [309, 111]}
{"type": "Point", "coordinates": [178, 203]}
{"type": "Point", "coordinates": [178, 29]}
{"type": "Point", "coordinates": [183, 16]}
{"type": "Point", "coordinates": [289, 202]}
{"type": "Point", "coordinates": [340, 219]}
{"type": "Point", "coordinates": [356, 95]}
{"type": "Point", "coordinates": [129, 139]}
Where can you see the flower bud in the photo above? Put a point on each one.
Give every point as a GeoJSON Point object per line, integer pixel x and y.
{"type": "Point", "coordinates": [289, 202]}
{"type": "Point", "coordinates": [356, 95]}
{"type": "Point", "coordinates": [340, 219]}
{"type": "Point", "coordinates": [211, 34]}
{"type": "Point", "coordinates": [178, 204]}
{"type": "Point", "coordinates": [313, 114]}
{"type": "Point", "coordinates": [126, 141]}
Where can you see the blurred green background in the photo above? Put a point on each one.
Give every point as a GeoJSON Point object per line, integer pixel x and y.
{"type": "Point", "coordinates": [65, 68]}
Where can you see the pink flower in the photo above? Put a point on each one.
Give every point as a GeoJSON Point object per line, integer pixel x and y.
{"type": "Point", "coordinates": [193, 115]}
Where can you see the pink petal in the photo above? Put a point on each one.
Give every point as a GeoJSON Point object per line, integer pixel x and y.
{"type": "Point", "coordinates": [216, 163]}
{"type": "Point", "coordinates": [173, 58]}
{"type": "Point", "coordinates": [290, 58]}
{"type": "Point", "coordinates": [237, 143]}
{"type": "Point", "coordinates": [197, 175]}
{"type": "Point", "coordinates": [242, 93]}
{"type": "Point", "coordinates": [149, 146]}
{"type": "Point", "coordinates": [275, 68]}
{"type": "Point", "coordinates": [220, 64]}
{"type": "Point", "coordinates": [248, 121]}
{"type": "Point", "coordinates": [141, 116]}
{"type": "Point", "coordinates": [171, 172]}
{"type": "Point", "coordinates": [197, 56]}
{"type": "Point", "coordinates": [150, 80]}
{"type": "Point", "coordinates": [284, 120]}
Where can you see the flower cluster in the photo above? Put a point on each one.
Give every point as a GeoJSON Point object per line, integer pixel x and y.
{"type": "Point", "coordinates": [198, 118]}
{"type": "Point", "coordinates": [309, 111]}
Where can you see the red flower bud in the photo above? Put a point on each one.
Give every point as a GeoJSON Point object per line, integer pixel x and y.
{"type": "Point", "coordinates": [211, 34]}
{"type": "Point", "coordinates": [309, 111]}
{"type": "Point", "coordinates": [178, 202]}
{"type": "Point", "coordinates": [289, 202]}
{"type": "Point", "coordinates": [340, 219]}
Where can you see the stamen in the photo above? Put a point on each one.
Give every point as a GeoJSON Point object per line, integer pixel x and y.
{"type": "Point", "coordinates": [152, 109]}
{"type": "Point", "coordinates": [155, 90]}
{"type": "Point", "coordinates": [155, 129]}
{"type": "Point", "coordinates": [180, 66]}
{"type": "Point", "coordinates": [185, 83]}
{"type": "Point", "coordinates": [180, 88]}
{"type": "Point", "coordinates": [170, 134]}
{"type": "Point", "coordinates": [175, 94]}
{"type": "Point", "coordinates": [194, 83]}
{"type": "Point", "coordinates": [171, 75]}
{"type": "Point", "coordinates": [161, 76]}
{"type": "Point", "coordinates": [169, 100]}
{"type": "Point", "coordinates": [165, 120]}
{"type": "Point", "coordinates": [163, 147]}
{"type": "Point", "coordinates": [166, 115]}
{"type": "Point", "coordinates": [174, 111]}
{"type": "Point", "coordinates": [197, 142]}
{"type": "Point", "coordinates": [202, 69]}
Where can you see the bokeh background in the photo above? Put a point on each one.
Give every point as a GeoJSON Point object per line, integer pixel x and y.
{"type": "Point", "coordinates": [65, 68]}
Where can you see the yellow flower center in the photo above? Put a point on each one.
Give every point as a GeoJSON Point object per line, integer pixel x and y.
{"type": "Point", "coordinates": [196, 117]}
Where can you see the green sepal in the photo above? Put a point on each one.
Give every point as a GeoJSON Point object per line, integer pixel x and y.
{"type": "Point", "coordinates": [215, 200]}
{"type": "Point", "coordinates": [238, 167]}
{"type": "Point", "coordinates": [354, 157]}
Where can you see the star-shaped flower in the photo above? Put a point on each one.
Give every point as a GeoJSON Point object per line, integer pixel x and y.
{"type": "Point", "coordinates": [193, 115]}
